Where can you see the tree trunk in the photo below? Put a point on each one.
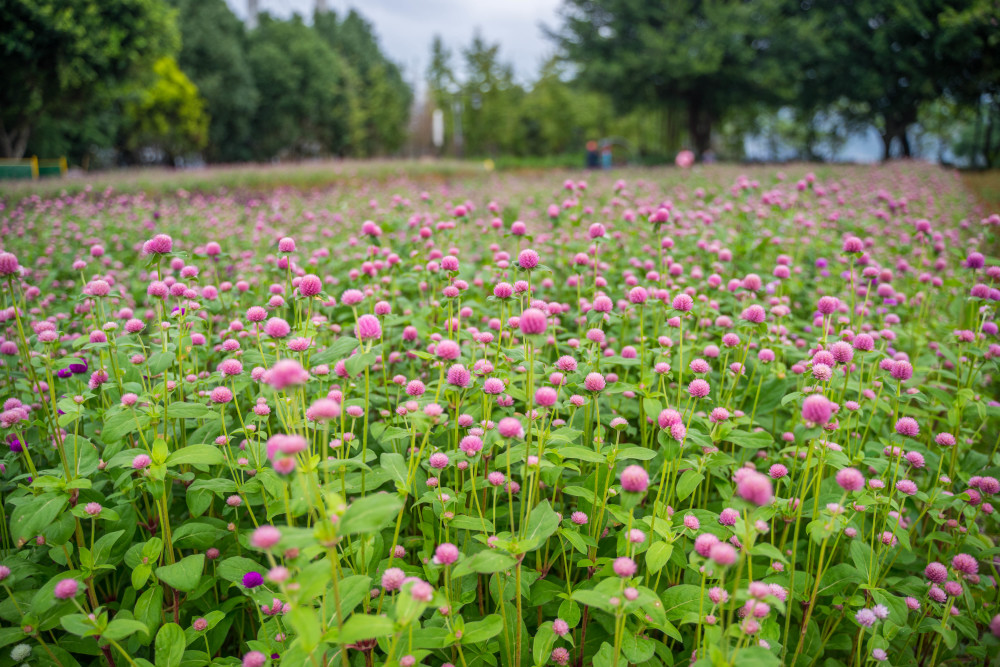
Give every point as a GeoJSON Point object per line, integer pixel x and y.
{"type": "Point", "coordinates": [886, 145]}
{"type": "Point", "coordinates": [988, 142]}
{"type": "Point", "coordinates": [905, 140]}
{"type": "Point", "coordinates": [15, 142]}
{"type": "Point", "coordinates": [700, 127]}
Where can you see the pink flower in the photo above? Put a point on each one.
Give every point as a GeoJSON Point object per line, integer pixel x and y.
{"type": "Point", "coordinates": [310, 285]}
{"type": "Point", "coordinates": [850, 479]}
{"type": "Point", "coordinates": [699, 388]}
{"type": "Point", "coordinates": [277, 328]}
{"type": "Point", "coordinates": [594, 382]}
{"type": "Point", "coordinates": [528, 259]}
{"type": "Point", "coordinates": [533, 322]}
{"type": "Point", "coordinates": [66, 589]}
{"type": "Point", "coordinates": [635, 479]}
{"type": "Point", "coordinates": [755, 488]}
{"type": "Point", "coordinates": [625, 567]}
{"type": "Point", "coordinates": [817, 409]}
{"type": "Point", "coordinates": [265, 537]}
{"type": "Point", "coordinates": [368, 328]}
{"type": "Point", "coordinates": [446, 553]}
{"type": "Point", "coordinates": [392, 579]}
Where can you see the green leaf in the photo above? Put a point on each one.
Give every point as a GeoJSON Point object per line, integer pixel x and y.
{"type": "Point", "coordinates": [480, 631]}
{"type": "Point", "coordinates": [688, 482]}
{"type": "Point", "coordinates": [232, 569]}
{"type": "Point", "coordinates": [541, 524]}
{"type": "Point", "coordinates": [196, 535]}
{"type": "Point", "coordinates": [369, 514]}
{"type": "Point", "coordinates": [206, 455]}
{"type": "Point", "coordinates": [863, 558]}
{"type": "Point", "coordinates": [29, 519]}
{"type": "Point", "coordinates": [365, 626]}
{"type": "Point", "coordinates": [340, 348]}
{"type": "Point", "coordinates": [124, 627]}
{"type": "Point", "coordinates": [487, 561]}
{"type": "Point", "coordinates": [149, 608]}
{"type": "Point", "coordinates": [159, 362]}
{"type": "Point", "coordinates": [115, 428]}
{"type": "Point", "coordinates": [658, 555]}
{"type": "Point", "coordinates": [395, 465]}
{"type": "Point", "coordinates": [305, 622]}
{"type": "Point", "coordinates": [184, 574]}
{"type": "Point", "coordinates": [103, 546]}
{"type": "Point", "coordinates": [541, 648]}
{"type": "Point", "coordinates": [77, 624]}
{"type": "Point", "coordinates": [170, 644]}
{"type": "Point", "coordinates": [10, 635]}
{"type": "Point", "coordinates": [754, 440]}
{"type": "Point", "coordinates": [582, 454]}
{"type": "Point", "coordinates": [637, 453]}
{"type": "Point", "coordinates": [756, 656]}
{"type": "Point", "coordinates": [358, 363]}
{"type": "Point", "coordinates": [181, 410]}
{"type": "Point", "coordinates": [678, 600]}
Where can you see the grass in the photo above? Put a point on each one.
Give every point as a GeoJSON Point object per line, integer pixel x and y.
{"type": "Point", "coordinates": [985, 185]}
{"type": "Point", "coordinates": [158, 181]}
{"type": "Point", "coordinates": [318, 174]}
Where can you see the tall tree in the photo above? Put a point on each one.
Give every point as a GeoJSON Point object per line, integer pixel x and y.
{"type": "Point", "coordinates": [167, 114]}
{"type": "Point", "coordinates": [380, 95]}
{"type": "Point", "coordinates": [59, 55]}
{"type": "Point", "coordinates": [213, 56]}
{"type": "Point", "coordinates": [301, 82]}
{"type": "Point", "coordinates": [490, 98]}
{"type": "Point", "coordinates": [704, 56]}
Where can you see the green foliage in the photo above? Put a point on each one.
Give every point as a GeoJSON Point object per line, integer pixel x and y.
{"type": "Point", "coordinates": [59, 56]}
{"type": "Point", "coordinates": [213, 55]}
{"type": "Point", "coordinates": [302, 80]}
{"type": "Point", "coordinates": [168, 114]}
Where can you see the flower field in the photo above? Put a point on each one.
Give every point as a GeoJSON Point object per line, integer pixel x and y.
{"type": "Point", "coordinates": [701, 416]}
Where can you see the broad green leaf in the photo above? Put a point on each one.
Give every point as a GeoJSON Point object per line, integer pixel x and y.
{"type": "Point", "coordinates": [480, 631]}
{"type": "Point", "coordinates": [184, 574]}
{"type": "Point", "coordinates": [365, 626]}
{"type": "Point", "coordinates": [119, 629]}
{"type": "Point", "coordinates": [541, 524]}
{"type": "Point", "coordinates": [181, 410]}
{"type": "Point", "coordinates": [751, 440]}
{"type": "Point", "coordinates": [369, 514]}
{"type": "Point", "coordinates": [657, 556]}
{"type": "Point", "coordinates": [30, 518]}
{"type": "Point", "coordinates": [688, 482]}
{"type": "Point", "coordinates": [205, 455]}
{"type": "Point", "coordinates": [170, 644]}
{"type": "Point", "coordinates": [487, 561]}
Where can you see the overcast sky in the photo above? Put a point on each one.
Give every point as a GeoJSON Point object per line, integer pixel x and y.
{"type": "Point", "coordinates": [405, 28]}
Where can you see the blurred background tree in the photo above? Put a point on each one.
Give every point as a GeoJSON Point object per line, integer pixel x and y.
{"type": "Point", "coordinates": [59, 56]}
{"type": "Point", "coordinates": [186, 81]}
{"type": "Point", "coordinates": [166, 116]}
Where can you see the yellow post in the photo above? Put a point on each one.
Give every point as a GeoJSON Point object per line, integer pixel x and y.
{"type": "Point", "coordinates": [62, 165]}
{"type": "Point", "coordinates": [34, 167]}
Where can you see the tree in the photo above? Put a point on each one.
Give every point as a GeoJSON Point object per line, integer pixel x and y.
{"type": "Point", "coordinates": [490, 98]}
{"type": "Point", "coordinates": [213, 56]}
{"type": "Point", "coordinates": [58, 55]}
{"type": "Point", "coordinates": [380, 97]}
{"type": "Point", "coordinates": [703, 56]}
{"type": "Point", "coordinates": [301, 84]}
{"type": "Point", "coordinates": [167, 115]}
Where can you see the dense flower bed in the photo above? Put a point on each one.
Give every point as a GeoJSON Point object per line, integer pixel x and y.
{"type": "Point", "coordinates": [682, 416]}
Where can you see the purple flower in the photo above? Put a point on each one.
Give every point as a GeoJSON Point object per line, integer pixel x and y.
{"type": "Point", "coordinates": [253, 579]}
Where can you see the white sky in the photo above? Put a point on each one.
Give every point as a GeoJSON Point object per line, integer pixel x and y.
{"type": "Point", "coordinates": [405, 28]}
